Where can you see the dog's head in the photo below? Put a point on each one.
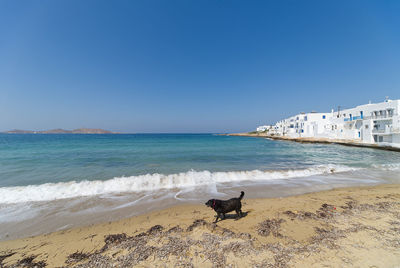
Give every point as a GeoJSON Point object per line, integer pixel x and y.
{"type": "Point", "coordinates": [210, 203]}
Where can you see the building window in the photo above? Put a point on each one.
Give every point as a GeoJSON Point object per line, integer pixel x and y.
{"type": "Point", "coordinates": [305, 118]}
{"type": "Point", "coordinates": [323, 117]}
{"type": "Point", "coordinates": [366, 126]}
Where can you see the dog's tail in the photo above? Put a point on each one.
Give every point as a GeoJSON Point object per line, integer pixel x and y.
{"type": "Point", "coordinates": [241, 195]}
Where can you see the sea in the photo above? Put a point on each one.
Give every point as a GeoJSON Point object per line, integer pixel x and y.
{"type": "Point", "coordinates": [52, 182]}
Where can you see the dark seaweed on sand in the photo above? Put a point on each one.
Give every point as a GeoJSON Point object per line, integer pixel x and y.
{"type": "Point", "coordinates": [215, 244]}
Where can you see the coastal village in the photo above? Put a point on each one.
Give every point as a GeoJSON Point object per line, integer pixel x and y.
{"type": "Point", "coordinates": [375, 124]}
{"type": "Point", "coordinates": [116, 134]}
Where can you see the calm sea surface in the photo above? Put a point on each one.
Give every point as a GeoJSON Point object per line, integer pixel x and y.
{"type": "Point", "coordinates": [52, 182]}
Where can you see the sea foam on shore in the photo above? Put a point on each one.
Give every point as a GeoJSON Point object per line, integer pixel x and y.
{"type": "Point", "coordinates": [153, 182]}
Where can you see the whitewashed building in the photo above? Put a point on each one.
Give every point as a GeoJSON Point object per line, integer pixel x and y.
{"type": "Point", "coordinates": [377, 123]}
{"type": "Point", "coordinates": [303, 125]}
{"type": "Point", "coordinates": [264, 128]}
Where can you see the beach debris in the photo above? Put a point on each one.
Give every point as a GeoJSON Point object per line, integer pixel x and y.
{"type": "Point", "coordinates": [115, 238]}
{"type": "Point", "coordinates": [225, 232]}
{"type": "Point", "coordinates": [77, 257]}
{"type": "Point", "coordinates": [325, 211]}
{"type": "Point", "coordinates": [308, 214]}
{"type": "Point", "coordinates": [349, 205]}
{"type": "Point", "coordinates": [387, 205]}
{"type": "Point", "coordinates": [240, 248]}
{"type": "Point", "coordinates": [395, 229]}
{"type": "Point", "coordinates": [326, 206]}
{"type": "Point", "coordinates": [301, 215]}
{"type": "Point", "coordinates": [244, 236]}
{"type": "Point", "coordinates": [327, 237]}
{"type": "Point", "coordinates": [95, 260]}
{"type": "Point", "coordinates": [175, 229]}
{"type": "Point", "coordinates": [270, 226]}
{"type": "Point", "coordinates": [196, 223]}
{"type": "Point", "coordinates": [281, 255]}
{"type": "Point", "coordinates": [3, 257]}
{"type": "Point", "coordinates": [175, 246]}
{"type": "Point", "coordinates": [208, 244]}
{"type": "Point", "coordinates": [30, 262]}
{"type": "Point", "coordinates": [290, 213]}
{"type": "Point", "coordinates": [156, 229]}
{"type": "Point", "coordinates": [136, 255]}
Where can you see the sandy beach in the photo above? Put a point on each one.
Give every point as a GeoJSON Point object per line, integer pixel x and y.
{"type": "Point", "coordinates": [348, 227]}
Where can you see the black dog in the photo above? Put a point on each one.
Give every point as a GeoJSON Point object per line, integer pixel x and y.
{"type": "Point", "coordinates": [225, 206]}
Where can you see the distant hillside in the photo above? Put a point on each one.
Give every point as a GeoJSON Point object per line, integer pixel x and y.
{"type": "Point", "coordinates": [91, 131]}
{"type": "Point", "coordinates": [63, 131]}
{"type": "Point", "coordinates": [18, 131]}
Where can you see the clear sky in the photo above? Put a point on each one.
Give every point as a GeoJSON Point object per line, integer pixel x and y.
{"type": "Point", "coordinates": [191, 66]}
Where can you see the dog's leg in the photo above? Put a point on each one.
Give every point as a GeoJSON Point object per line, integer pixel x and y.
{"type": "Point", "coordinates": [218, 216]}
{"type": "Point", "coordinates": [239, 213]}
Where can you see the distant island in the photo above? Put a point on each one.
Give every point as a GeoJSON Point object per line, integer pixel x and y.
{"type": "Point", "coordinates": [62, 131]}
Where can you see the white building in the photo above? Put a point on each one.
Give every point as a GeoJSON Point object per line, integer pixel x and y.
{"type": "Point", "coordinates": [264, 128]}
{"type": "Point", "coordinates": [303, 125]}
{"type": "Point", "coordinates": [377, 123]}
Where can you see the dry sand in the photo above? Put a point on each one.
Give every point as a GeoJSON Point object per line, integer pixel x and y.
{"type": "Point", "coordinates": [349, 227]}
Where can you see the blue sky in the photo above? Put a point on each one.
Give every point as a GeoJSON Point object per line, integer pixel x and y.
{"type": "Point", "coordinates": [191, 66]}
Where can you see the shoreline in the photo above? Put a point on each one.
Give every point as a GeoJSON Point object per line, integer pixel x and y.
{"type": "Point", "coordinates": [339, 227]}
{"type": "Point", "coordinates": [343, 142]}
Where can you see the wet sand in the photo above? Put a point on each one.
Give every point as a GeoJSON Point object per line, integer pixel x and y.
{"type": "Point", "coordinates": [348, 227]}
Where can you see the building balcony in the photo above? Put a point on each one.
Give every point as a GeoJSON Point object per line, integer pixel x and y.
{"type": "Point", "coordinates": [379, 131]}
{"type": "Point", "coordinates": [384, 116]}
{"type": "Point", "coordinates": [386, 131]}
{"type": "Point", "coordinates": [396, 130]}
{"type": "Point", "coordinates": [354, 118]}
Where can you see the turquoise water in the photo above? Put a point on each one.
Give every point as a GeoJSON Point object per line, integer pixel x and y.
{"type": "Point", "coordinates": [102, 175]}
{"type": "Point", "coordinates": [37, 159]}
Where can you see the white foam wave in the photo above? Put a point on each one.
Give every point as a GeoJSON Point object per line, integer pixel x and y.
{"type": "Point", "coordinates": [150, 182]}
{"type": "Point", "coordinates": [387, 167]}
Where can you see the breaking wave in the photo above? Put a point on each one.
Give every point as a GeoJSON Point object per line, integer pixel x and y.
{"type": "Point", "coordinates": [151, 182]}
{"type": "Point", "coordinates": [387, 167]}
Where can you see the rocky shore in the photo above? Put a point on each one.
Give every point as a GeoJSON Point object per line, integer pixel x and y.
{"type": "Point", "coordinates": [354, 143]}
